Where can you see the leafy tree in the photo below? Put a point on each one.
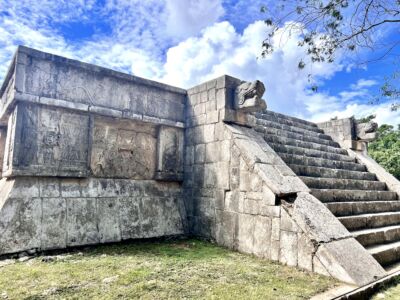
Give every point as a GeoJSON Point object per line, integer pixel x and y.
{"type": "Point", "coordinates": [329, 27]}
{"type": "Point", "coordinates": [386, 149]}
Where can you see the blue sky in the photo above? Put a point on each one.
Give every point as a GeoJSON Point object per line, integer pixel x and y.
{"type": "Point", "coordinates": [185, 42]}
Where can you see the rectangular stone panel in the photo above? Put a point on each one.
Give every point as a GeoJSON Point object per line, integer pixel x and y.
{"type": "Point", "coordinates": [54, 231]}
{"type": "Point", "coordinates": [20, 224]}
{"type": "Point", "coordinates": [44, 141]}
{"type": "Point", "coordinates": [130, 218]}
{"type": "Point", "coordinates": [170, 154]}
{"type": "Point", "coordinates": [108, 219]}
{"type": "Point", "coordinates": [82, 221]}
{"type": "Point", "coordinates": [123, 149]}
{"type": "Point", "coordinates": [59, 78]}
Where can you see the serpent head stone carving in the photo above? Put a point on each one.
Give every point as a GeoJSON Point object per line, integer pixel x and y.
{"type": "Point", "coordinates": [248, 96]}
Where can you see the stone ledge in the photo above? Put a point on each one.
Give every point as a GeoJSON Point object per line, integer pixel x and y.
{"type": "Point", "coordinates": [93, 68]}
{"type": "Point", "coordinates": [94, 109]}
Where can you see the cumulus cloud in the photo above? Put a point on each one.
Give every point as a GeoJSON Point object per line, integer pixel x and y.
{"type": "Point", "coordinates": [186, 18]}
{"type": "Point", "coordinates": [222, 50]}
{"type": "Point", "coordinates": [140, 43]}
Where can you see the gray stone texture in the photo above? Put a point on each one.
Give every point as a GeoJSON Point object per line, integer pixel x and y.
{"type": "Point", "coordinates": [96, 156]}
{"type": "Point", "coordinates": [99, 211]}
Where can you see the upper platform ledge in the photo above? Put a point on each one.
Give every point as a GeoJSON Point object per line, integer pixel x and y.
{"type": "Point", "coordinates": [44, 78]}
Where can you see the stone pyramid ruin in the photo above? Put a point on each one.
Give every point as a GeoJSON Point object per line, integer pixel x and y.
{"type": "Point", "coordinates": [90, 155]}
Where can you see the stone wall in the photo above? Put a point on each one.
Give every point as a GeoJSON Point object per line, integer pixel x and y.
{"type": "Point", "coordinates": [91, 155]}
{"type": "Point", "coordinates": [40, 213]}
{"type": "Point", "coordinates": [341, 131]}
{"type": "Point", "coordinates": [242, 195]}
{"type": "Point", "coordinates": [95, 156]}
{"type": "Point", "coordinates": [44, 78]}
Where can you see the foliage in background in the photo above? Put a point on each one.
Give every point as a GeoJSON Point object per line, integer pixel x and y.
{"type": "Point", "coordinates": [330, 28]}
{"type": "Point", "coordinates": [386, 149]}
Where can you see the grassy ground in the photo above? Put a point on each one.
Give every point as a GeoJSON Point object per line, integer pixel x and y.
{"type": "Point", "coordinates": [188, 269]}
{"type": "Point", "coordinates": [390, 293]}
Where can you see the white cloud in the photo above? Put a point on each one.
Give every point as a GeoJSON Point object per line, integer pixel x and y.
{"type": "Point", "coordinates": [221, 50]}
{"type": "Point", "coordinates": [139, 44]}
{"type": "Point", "coordinates": [187, 17]}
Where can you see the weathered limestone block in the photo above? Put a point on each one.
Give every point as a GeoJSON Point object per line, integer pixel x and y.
{"type": "Point", "coordinates": [170, 154]}
{"type": "Point", "coordinates": [91, 211]}
{"type": "Point", "coordinates": [54, 218]}
{"type": "Point", "coordinates": [313, 217]}
{"type": "Point", "coordinates": [366, 132]}
{"type": "Point", "coordinates": [82, 221]}
{"type": "Point", "coordinates": [20, 224]}
{"type": "Point", "coordinates": [245, 234]}
{"type": "Point", "coordinates": [108, 220]}
{"type": "Point", "coordinates": [345, 260]}
{"type": "Point", "coordinates": [248, 96]}
{"type": "Point", "coordinates": [305, 253]}
{"type": "Point", "coordinates": [3, 137]}
{"type": "Point", "coordinates": [123, 149]}
{"type": "Point", "coordinates": [51, 77]}
{"type": "Point", "coordinates": [47, 142]}
{"type": "Point", "coordinates": [226, 222]}
{"type": "Point", "coordinates": [288, 248]}
{"type": "Point", "coordinates": [130, 218]}
{"type": "Point", "coordinates": [262, 236]}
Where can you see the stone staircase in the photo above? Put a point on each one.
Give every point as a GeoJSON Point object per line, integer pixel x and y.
{"type": "Point", "coordinates": [355, 196]}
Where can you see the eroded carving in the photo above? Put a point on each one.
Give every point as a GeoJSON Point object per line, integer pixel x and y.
{"type": "Point", "coordinates": [366, 131]}
{"type": "Point", "coordinates": [123, 149]}
{"type": "Point", "coordinates": [170, 154]}
{"type": "Point", "coordinates": [248, 96]}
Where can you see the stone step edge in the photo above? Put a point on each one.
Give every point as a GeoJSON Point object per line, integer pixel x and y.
{"type": "Point", "coordinates": [312, 134]}
{"type": "Point", "coordinates": [328, 204]}
{"type": "Point", "coordinates": [342, 180]}
{"type": "Point", "coordinates": [268, 122]}
{"type": "Point", "coordinates": [294, 119]}
{"type": "Point", "coordinates": [296, 165]}
{"type": "Point", "coordinates": [322, 152]}
{"type": "Point", "coordinates": [303, 138]}
{"type": "Point", "coordinates": [330, 149]}
{"type": "Point", "coordinates": [369, 215]}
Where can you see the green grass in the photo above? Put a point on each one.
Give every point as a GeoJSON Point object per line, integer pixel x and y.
{"type": "Point", "coordinates": [391, 292]}
{"type": "Point", "coordinates": [185, 269]}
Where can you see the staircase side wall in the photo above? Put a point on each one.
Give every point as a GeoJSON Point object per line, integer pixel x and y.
{"type": "Point", "coordinates": [241, 194]}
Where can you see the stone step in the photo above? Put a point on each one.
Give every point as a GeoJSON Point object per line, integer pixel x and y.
{"type": "Point", "coordinates": [341, 209]}
{"type": "Point", "coordinates": [298, 136]}
{"type": "Point", "coordinates": [385, 254]}
{"type": "Point", "coordinates": [289, 123]}
{"type": "Point", "coordinates": [311, 171]}
{"type": "Point", "coordinates": [284, 119]}
{"type": "Point", "coordinates": [308, 145]}
{"type": "Point", "coordinates": [374, 236]}
{"type": "Point", "coordinates": [336, 195]}
{"type": "Point", "coordinates": [365, 221]}
{"type": "Point", "coordinates": [267, 123]}
{"type": "Point", "coordinates": [343, 184]}
{"type": "Point", "coordinates": [310, 152]}
{"type": "Point", "coordinates": [321, 162]}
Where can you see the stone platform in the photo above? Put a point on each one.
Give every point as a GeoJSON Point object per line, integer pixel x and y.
{"type": "Point", "coordinates": [90, 155]}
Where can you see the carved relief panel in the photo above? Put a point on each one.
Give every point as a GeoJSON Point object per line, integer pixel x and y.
{"type": "Point", "coordinates": [45, 141]}
{"type": "Point", "coordinates": [170, 154]}
{"type": "Point", "coordinates": [123, 149]}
